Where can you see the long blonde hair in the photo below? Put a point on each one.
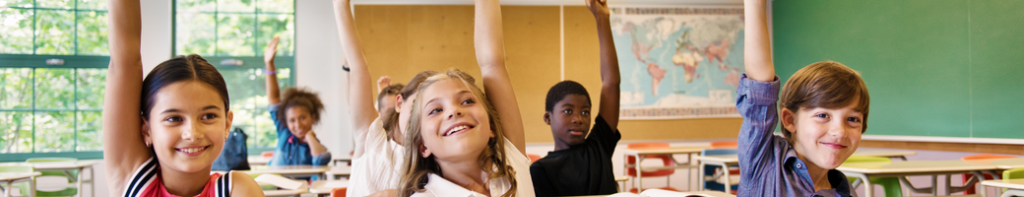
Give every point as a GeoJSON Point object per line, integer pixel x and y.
{"type": "Point", "coordinates": [414, 175]}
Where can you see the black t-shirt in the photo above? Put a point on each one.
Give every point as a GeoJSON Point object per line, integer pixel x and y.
{"type": "Point", "coordinates": [584, 169]}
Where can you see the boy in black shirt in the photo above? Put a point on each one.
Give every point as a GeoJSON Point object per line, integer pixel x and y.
{"type": "Point", "coordinates": [582, 165]}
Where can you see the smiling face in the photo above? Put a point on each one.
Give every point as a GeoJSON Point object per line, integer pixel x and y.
{"type": "Point", "coordinates": [187, 126]}
{"type": "Point", "coordinates": [825, 137]}
{"type": "Point", "coordinates": [570, 119]}
{"type": "Point", "coordinates": [454, 123]}
{"type": "Point", "coordinates": [300, 121]}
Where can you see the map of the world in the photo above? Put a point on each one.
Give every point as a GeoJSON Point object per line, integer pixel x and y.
{"type": "Point", "coordinates": [678, 62]}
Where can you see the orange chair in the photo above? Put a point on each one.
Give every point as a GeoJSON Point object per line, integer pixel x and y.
{"type": "Point", "coordinates": [723, 144]}
{"type": "Point", "coordinates": [338, 192]}
{"type": "Point", "coordinates": [665, 159]}
{"type": "Point", "coordinates": [966, 177]}
{"type": "Point", "coordinates": [267, 154]}
{"type": "Point", "coordinates": [533, 157]}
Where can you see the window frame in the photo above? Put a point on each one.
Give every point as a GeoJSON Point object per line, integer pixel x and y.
{"type": "Point", "coordinates": [246, 62]}
{"type": "Point", "coordinates": [35, 61]}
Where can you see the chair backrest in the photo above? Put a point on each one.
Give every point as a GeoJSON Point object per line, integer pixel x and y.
{"type": "Point", "coordinates": [16, 169]}
{"type": "Point", "coordinates": [858, 159]}
{"type": "Point", "coordinates": [533, 157]}
{"type": "Point", "coordinates": [648, 145]}
{"type": "Point", "coordinates": [723, 151]}
{"type": "Point", "coordinates": [986, 156]}
{"type": "Point", "coordinates": [267, 154]}
{"type": "Point", "coordinates": [1016, 173]}
{"type": "Point", "coordinates": [50, 159]}
{"type": "Point", "coordinates": [724, 144]}
{"type": "Point", "coordinates": [339, 192]}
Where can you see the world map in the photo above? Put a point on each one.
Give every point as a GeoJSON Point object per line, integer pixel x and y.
{"type": "Point", "coordinates": [678, 62]}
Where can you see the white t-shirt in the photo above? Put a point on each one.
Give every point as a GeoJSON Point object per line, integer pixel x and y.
{"type": "Point", "coordinates": [379, 167]}
{"type": "Point", "coordinates": [437, 186]}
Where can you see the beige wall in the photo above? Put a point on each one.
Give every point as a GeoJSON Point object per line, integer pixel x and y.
{"type": "Point", "coordinates": [402, 40]}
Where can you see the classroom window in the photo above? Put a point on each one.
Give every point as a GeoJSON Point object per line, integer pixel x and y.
{"type": "Point", "coordinates": [231, 35]}
{"type": "Point", "coordinates": [53, 59]}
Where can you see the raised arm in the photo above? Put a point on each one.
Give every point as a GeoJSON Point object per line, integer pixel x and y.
{"type": "Point", "coordinates": [490, 54]}
{"type": "Point", "coordinates": [360, 97]}
{"type": "Point", "coordinates": [757, 54]}
{"type": "Point", "coordinates": [121, 105]}
{"type": "Point", "coordinates": [609, 64]}
{"type": "Point", "coordinates": [273, 92]}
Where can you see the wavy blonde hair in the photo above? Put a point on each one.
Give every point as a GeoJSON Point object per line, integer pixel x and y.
{"type": "Point", "coordinates": [414, 175]}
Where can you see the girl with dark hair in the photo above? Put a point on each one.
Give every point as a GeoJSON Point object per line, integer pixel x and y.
{"type": "Point", "coordinates": [164, 132]}
{"type": "Point", "coordinates": [297, 144]}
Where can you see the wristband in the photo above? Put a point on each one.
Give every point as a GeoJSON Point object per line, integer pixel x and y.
{"type": "Point", "coordinates": [269, 72]}
{"type": "Point", "coordinates": [345, 68]}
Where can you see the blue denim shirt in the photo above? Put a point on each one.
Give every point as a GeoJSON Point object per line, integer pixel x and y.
{"type": "Point", "coordinates": [769, 163]}
{"type": "Point", "coordinates": [291, 150]}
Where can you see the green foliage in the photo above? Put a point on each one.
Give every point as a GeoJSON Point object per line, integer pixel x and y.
{"type": "Point", "coordinates": [233, 27]}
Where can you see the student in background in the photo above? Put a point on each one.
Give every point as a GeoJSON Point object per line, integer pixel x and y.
{"type": "Point", "coordinates": [387, 94]}
{"type": "Point", "coordinates": [297, 144]}
{"type": "Point", "coordinates": [164, 132]}
{"type": "Point", "coordinates": [582, 165]}
{"type": "Point", "coordinates": [824, 112]}
{"type": "Point", "coordinates": [456, 144]}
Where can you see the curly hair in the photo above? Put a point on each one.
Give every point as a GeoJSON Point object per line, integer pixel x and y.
{"type": "Point", "coordinates": [300, 97]}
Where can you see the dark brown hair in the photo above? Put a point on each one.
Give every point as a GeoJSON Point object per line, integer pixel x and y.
{"type": "Point", "coordinates": [391, 90]}
{"type": "Point", "coordinates": [181, 68]}
{"type": "Point", "coordinates": [825, 84]}
{"type": "Point", "coordinates": [299, 97]}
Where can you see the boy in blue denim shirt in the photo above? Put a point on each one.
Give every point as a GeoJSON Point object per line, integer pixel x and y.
{"type": "Point", "coordinates": [296, 142]}
{"type": "Point", "coordinates": [824, 112]}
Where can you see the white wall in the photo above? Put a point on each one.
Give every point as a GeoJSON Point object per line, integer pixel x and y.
{"type": "Point", "coordinates": [318, 61]}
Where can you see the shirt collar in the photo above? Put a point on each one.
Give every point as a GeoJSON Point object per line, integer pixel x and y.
{"type": "Point", "coordinates": [840, 185]}
{"type": "Point", "coordinates": [438, 186]}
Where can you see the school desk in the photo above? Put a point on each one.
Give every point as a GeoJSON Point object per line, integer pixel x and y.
{"type": "Point", "coordinates": [8, 179]}
{"type": "Point", "coordinates": [641, 153]}
{"type": "Point", "coordinates": [290, 171]}
{"type": "Point", "coordinates": [732, 160]}
{"type": "Point", "coordinates": [1015, 187]}
{"type": "Point", "coordinates": [340, 159]}
{"type": "Point", "coordinates": [336, 173]}
{"type": "Point", "coordinates": [67, 167]}
{"type": "Point", "coordinates": [323, 188]}
{"type": "Point", "coordinates": [257, 160]}
{"type": "Point", "coordinates": [901, 169]}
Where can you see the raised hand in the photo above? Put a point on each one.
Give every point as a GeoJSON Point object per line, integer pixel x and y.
{"type": "Point", "coordinates": [383, 82]}
{"type": "Point", "coordinates": [598, 7]}
{"type": "Point", "coordinates": [271, 51]}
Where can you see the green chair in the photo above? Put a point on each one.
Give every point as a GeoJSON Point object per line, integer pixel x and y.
{"type": "Point", "coordinates": [891, 185]}
{"type": "Point", "coordinates": [57, 173]}
{"type": "Point", "coordinates": [23, 187]}
{"type": "Point", "coordinates": [1016, 173]}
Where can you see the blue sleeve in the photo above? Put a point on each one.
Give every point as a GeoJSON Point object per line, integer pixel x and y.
{"type": "Point", "coordinates": [757, 103]}
{"type": "Point", "coordinates": [281, 127]}
{"type": "Point", "coordinates": [322, 159]}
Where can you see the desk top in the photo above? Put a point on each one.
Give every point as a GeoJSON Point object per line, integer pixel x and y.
{"type": "Point", "coordinates": [669, 150]}
{"type": "Point", "coordinates": [258, 160]}
{"type": "Point", "coordinates": [1005, 183]}
{"type": "Point", "coordinates": [287, 170]}
{"type": "Point", "coordinates": [293, 192]}
{"type": "Point", "coordinates": [1001, 163]}
{"type": "Point", "coordinates": [912, 167]}
{"type": "Point", "coordinates": [55, 165]}
{"type": "Point", "coordinates": [734, 159]}
{"type": "Point", "coordinates": [7, 176]}
{"type": "Point", "coordinates": [325, 187]}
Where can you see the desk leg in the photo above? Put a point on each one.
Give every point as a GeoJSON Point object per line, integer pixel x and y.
{"type": "Point", "coordinates": [700, 176]}
{"type": "Point", "coordinates": [7, 190]}
{"type": "Point", "coordinates": [32, 187]}
{"type": "Point", "coordinates": [868, 187]}
{"type": "Point", "coordinates": [728, 182]}
{"type": "Point", "coordinates": [92, 181]}
{"type": "Point", "coordinates": [949, 186]}
{"type": "Point", "coordinates": [78, 183]}
{"type": "Point", "coordinates": [935, 185]}
{"type": "Point", "coordinates": [639, 174]}
{"type": "Point", "coordinates": [689, 176]}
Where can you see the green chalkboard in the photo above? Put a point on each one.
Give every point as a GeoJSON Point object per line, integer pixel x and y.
{"type": "Point", "coordinates": [944, 68]}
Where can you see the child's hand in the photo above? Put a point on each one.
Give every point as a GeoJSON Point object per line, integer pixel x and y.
{"type": "Point", "coordinates": [383, 82]}
{"type": "Point", "coordinates": [310, 136]}
{"type": "Point", "coordinates": [271, 51]}
{"type": "Point", "coordinates": [598, 7]}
